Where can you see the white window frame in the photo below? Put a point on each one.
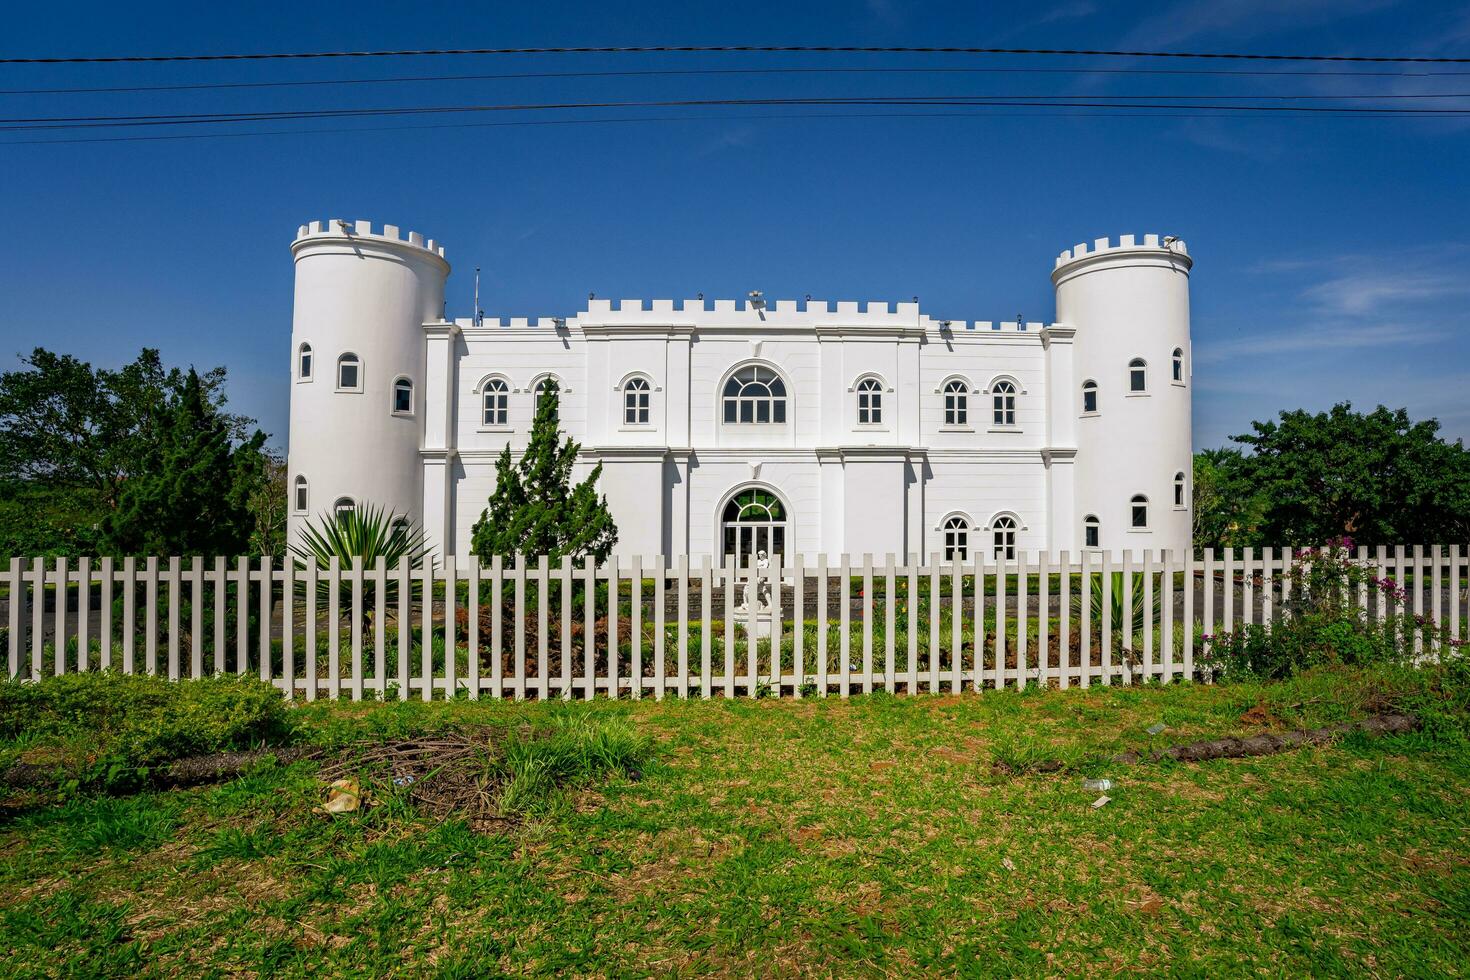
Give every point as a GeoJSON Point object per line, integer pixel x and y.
{"type": "Point", "coordinates": [1181, 491]}
{"type": "Point", "coordinates": [626, 389]}
{"type": "Point", "coordinates": [1176, 367]}
{"type": "Point", "coordinates": [1133, 502]}
{"type": "Point", "coordinates": [483, 389]}
{"type": "Point", "coordinates": [869, 388]}
{"type": "Point", "coordinates": [305, 350]}
{"type": "Point", "coordinates": [300, 494]}
{"type": "Point", "coordinates": [1096, 408]}
{"type": "Point", "coordinates": [952, 526]}
{"type": "Point", "coordinates": [740, 398]}
{"type": "Point", "coordinates": [356, 359]}
{"type": "Point", "coordinates": [343, 503]}
{"type": "Point", "coordinates": [958, 388]}
{"type": "Point", "coordinates": [1091, 522]}
{"type": "Point", "coordinates": [1011, 527]}
{"type": "Point", "coordinates": [393, 408]}
{"type": "Point", "coordinates": [1137, 364]}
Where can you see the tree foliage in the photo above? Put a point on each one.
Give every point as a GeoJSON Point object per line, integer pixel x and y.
{"type": "Point", "coordinates": [79, 443]}
{"type": "Point", "coordinates": [190, 491]}
{"type": "Point", "coordinates": [535, 509]}
{"type": "Point", "coordinates": [1376, 477]}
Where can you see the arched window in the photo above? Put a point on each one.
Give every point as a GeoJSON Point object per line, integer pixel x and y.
{"type": "Point", "coordinates": [956, 539]}
{"type": "Point", "coordinates": [1089, 396]}
{"type": "Point", "coordinates": [956, 402]}
{"type": "Point", "coordinates": [548, 386]}
{"type": "Point", "coordinates": [303, 363]}
{"type": "Point", "coordinates": [402, 397]}
{"type": "Point", "coordinates": [1091, 528]}
{"type": "Point", "coordinates": [298, 502]}
{"type": "Point", "coordinates": [755, 394]}
{"type": "Point", "coordinates": [496, 403]}
{"type": "Point", "coordinates": [343, 507]}
{"type": "Point", "coordinates": [870, 401]}
{"type": "Point", "coordinates": [349, 373]}
{"type": "Point", "coordinates": [1004, 530]}
{"type": "Point", "coordinates": [635, 402]}
{"type": "Point", "coordinates": [1137, 375]}
{"type": "Point", "coordinates": [1179, 489]}
{"type": "Point", "coordinates": [1004, 396]}
{"type": "Point", "coordinates": [1140, 511]}
{"type": "Point", "coordinates": [753, 521]}
{"type": "Point", "coordinates": [1178, 361]}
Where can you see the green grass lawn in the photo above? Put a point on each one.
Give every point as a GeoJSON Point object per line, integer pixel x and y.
{"type": "Point", "coordinates": [872, 836]}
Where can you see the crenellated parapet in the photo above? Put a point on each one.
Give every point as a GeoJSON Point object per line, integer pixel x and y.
{"type": "Point", "coordinates": [338, 228]}
{"type": "Point", "coordinates": [772, 314]}
{"type": "Point", "coordinates": [1125, 243]}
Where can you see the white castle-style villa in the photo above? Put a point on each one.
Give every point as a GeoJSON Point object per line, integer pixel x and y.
{"type": "Point", "coordinates": [730, 427]}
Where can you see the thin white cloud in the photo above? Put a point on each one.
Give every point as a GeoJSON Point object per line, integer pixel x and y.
{"type": "Point", "coordinates": [1369, 294]}
{"type": "Point", "coordinates": [1327, 338]}
{"type": "Point", "coordinates": [1242, 18]}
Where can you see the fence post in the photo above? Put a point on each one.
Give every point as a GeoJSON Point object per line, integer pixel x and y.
{"type": "Point", "coordinates": [242, 613]}
{"type": "Point", "coordinates": [1023, 591]}
{"type": "Point", "coordinates": [683, 637]}
{"type": "Point", "coordinates": [867, 624]}
{"type": "Point", "coordinates": [1001, 588]}
{"type": "Point", "coordinates": [221, 595]}
{"type": "Point", "coordinates": [612, 627]}
{"type": "Point", "coordinates": [426, 630]}
{"type": "Point", "coordinates": [174, 563]}
{"type": "Point", "coordinates": [567, 613]}
{"type": "Point", "coordinates": [1148, 615]}
{"type": "Point", "coordinates": [912, 599]}
{"type": "Point", "coordinates": [309, 596]}
{"type": "Point", "coordinates": [1043, 616]}
{"type": "Point", "coordinates": [451, 645]}
{"type": "Point", "coordinates": [12, 636]}
{"type": "Point", "coordinates": [105, 641]}
{"type": "Point", "coordinates": [635, 676]}
{"type": "Point", "coordinates": [798, 627]}
{"type": "Point", "coordinates": [1125, 628]}
{"type": "Point", "coordinates": [1064, 627]}
{"type": "Point", "coordinates": [1166, 604]}
{"type": "Point", "coordinates": [1189, 613]}
{"type": "Point", "coordinates": [472, 627]}
{"type": "Point", "coordinates": [706, 639]}
{"type": "Point", "coordinates": [84, 609]}
{"type": "Point", "coordinates": [845, 635]}
{"type": "Point", "coordinates": [889, 627]}
{"type": "Point", "coordinates": [196, 618]}
{"type": "Point", "coordinates": [497, 628]}
{"type": "Point", "coordinates": [357, 611]}
{"type": "Point", "coordinates": [661, 569]}
{"type": "Point", "coordinates": [1084, 596]}
{"type": "Point", "coordinates": [58, 645]}
{"type": "Point", "coordinates": [334, 627]}
{"type": "Point", "coordinates": [288, 625]}
{"type": "Point", "coordinates": [730, 586]}
{"type": "Point", "coordinates": [935, 604]}
{"type": "Point", "coordinates": [150, 614]}
{"type": "Point", "coordinates": [380, 627]}
{"type": "Point", "coordinates": [589, 629]}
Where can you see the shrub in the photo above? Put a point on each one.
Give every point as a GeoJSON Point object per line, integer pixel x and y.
{"type": "Point", "coordinates": [132, 722]}
{"type": "Point", "coordinates": [1321, 622]}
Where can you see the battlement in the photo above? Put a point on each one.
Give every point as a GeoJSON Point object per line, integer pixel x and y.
{"type": "Point", "coordinates": [742, 314]}
{"type": "Point", "coordinates": [338, 228]}
{"type": "Point", "coordinates": [1126, 243]}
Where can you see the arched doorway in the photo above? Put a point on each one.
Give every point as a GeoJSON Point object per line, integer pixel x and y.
{"type": "Point", "coordinates": [752, 521]}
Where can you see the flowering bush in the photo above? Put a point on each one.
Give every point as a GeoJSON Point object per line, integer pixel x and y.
{"type": "Point", "coordinates": [1321, 619]}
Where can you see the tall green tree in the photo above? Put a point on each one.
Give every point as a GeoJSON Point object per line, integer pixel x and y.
{"type": "Point", "coordinates": [1228, 508]}
{"type": "Point", "coordinates": [190, 492]}
{"type": "Point", "coordinates": [535, 509]}
{"type": "Point", "coordinates": [73, 436]}
{"type": "Point", "coordinates": [1378, 478]}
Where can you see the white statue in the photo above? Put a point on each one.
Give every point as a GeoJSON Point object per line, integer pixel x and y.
{"type": "Point", "coordinates": [758, 588]}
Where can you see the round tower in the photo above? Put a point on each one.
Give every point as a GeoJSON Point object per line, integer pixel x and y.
{"type": "Point", "coordinates": [358, 367]}
{"type": "Point", "coordinates": [1129, 305]}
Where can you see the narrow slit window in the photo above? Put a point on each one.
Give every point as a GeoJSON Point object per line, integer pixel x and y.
{"type": "Point", "coordinates": [1137, 375]}
{"type": "Point", "coordinates": [1140, 511]}
{"type": "Point", "coordinates": [1089, 396]}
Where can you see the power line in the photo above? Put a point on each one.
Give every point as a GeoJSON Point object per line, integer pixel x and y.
{"type": "Point", "coordinates": [188, 119]}
{"type": "Point", "coordinates": [614, 120]}
{"type": "Point", "coordinates": [862, 69]}
{"type": "Point", "coordinates": [732, 48]}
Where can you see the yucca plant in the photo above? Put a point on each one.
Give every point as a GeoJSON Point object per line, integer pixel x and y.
{"type": "Point", "coordinates": [368, 533]}
{"type": "Point", "coordinates": [1123, 633]}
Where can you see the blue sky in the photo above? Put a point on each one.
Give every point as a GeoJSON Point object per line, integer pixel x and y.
{"type": "Point", "coordinates": [1331, 253]}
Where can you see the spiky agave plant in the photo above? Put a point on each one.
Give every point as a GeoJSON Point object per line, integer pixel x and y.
{"type": "Point", "coordinates": [369, 533]}
{"type": "Point", "coordinates": [1123, 632]}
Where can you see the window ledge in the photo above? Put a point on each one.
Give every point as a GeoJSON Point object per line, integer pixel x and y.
{"type": "Point", "coordinates": [1177, 384]}
{"type": "Point", "coordinates": [1089, 415]}
{"type": "Point", "coordinates": [638, 427]}
{"type": "Point", "coordinates": [1139, 530]}
{"type": "Point", "coordinates": [956, 428]}
{"type": "Point", "coordinates": [304, 381]}
{"type": "Point", "coordinates": [1005, 428]}
{"type": "Point", "coordinates": [349, 391]}
{"type": "Point", "coordinates": [495, 428]}
{"type": "Point", "coordinates": [402, 415]}
{"type": "Point", "coordinates": [1136, 394]}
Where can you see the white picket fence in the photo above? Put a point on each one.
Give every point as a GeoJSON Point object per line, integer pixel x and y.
{"type": "Point", "coordinates": [541, 631]}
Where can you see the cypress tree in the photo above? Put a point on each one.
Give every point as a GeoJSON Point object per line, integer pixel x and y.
{"type": "Point", "coordinates": [535, 509]}
{"type": "Point", "coordinates": [190, 495]}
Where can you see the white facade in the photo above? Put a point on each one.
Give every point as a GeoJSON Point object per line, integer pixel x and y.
{"type": "Point", "coordinates": [884, 431]}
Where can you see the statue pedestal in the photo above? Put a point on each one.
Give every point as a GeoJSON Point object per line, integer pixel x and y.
{"type": "Point", "coordinates": [762, 622]}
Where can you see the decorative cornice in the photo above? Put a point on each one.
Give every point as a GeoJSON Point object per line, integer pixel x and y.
{"type": "Point", "coordinates": [1064, 454]}
{"type": "Point", "coordinates": [1058, 332]}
